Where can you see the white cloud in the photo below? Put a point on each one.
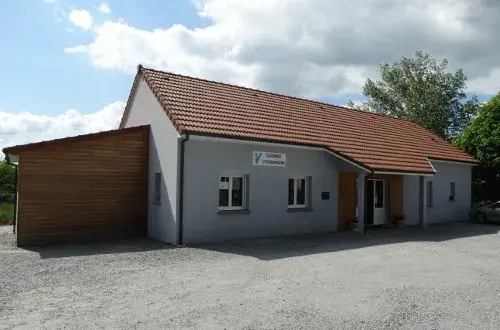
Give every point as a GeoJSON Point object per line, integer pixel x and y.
{"type": "Point", "coordinates": [20, 128]}
{"type": "Point", "coordinates": [310, 48]}
{"type": "Point", "coordinates": [76, 49]}
{"type": "Point", "coordinates": [104, 8]}
{"type": "Point", "coordinates": [50, 1]}
{"type": "Point", "coordinates": [81, 18]}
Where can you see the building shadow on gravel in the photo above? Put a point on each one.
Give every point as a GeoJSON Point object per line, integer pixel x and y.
{"type": "Point", "coordinates": [129, 245]}
{"type": "Point", "coordinates": [293, 246]}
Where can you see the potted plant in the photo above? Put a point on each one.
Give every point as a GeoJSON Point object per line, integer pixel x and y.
{"type": "Point", "coordinates": [399, 220]}
{"type": "Point", "coordinates": [352, 223]}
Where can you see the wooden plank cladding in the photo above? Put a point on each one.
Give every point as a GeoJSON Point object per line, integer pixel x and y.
{"type": "Point", "coordinates": [347, 198]}
{"type": "Point", "coordinates": [84, 188]}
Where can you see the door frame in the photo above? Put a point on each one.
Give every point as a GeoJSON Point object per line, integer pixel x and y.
{"type": "Point", "coordinates": [384, 198]}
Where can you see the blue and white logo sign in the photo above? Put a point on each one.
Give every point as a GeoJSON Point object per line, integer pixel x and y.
{"type": "Point", "coordinates": [262, 158]}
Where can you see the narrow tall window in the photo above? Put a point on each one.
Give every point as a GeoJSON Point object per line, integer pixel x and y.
{"type": "Point", "coordinates": [452, 191]}
{"type": "Point", "coordinates": [232, 195]}
{"type": "Point", "coordinates": [430, 197]}
{"type": "Point", "coordinates": [157, 193]}
{"type": "Point", "coordinates": [298, 192]}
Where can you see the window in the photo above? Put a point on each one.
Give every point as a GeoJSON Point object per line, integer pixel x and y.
{"type": "Point", "coordinates": [232, 193]}
{"type": "Point", "coordinates": [430, 198]}
{"type": "Point", "coordinates": [298, 191]}
{"type": "Point", "coordinates": [157, 188]}
{"type": "Point", "coordinates": [452, 191]}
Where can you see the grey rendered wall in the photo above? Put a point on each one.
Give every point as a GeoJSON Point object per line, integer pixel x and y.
{"type": "Point", "coordinates": [411, 199]}
{"type": "Point", "coordinates": [163, 153]}
{"type": "Point", "coordinates": [206, 161]}
{"type": "Point", "coordinates": [443, 209]}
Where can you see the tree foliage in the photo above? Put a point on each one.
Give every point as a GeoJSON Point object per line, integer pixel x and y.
{"type": "Point", "coordinates": [7, 179]}
{"type": "Point", "coordinates": [482, 139]}
{"type": "Point", "coordinates": [420, 90]}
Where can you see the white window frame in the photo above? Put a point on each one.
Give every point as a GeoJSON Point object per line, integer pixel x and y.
{"type": "Point", "coordinates": [306, 193]}
{"type": "Point", "coordinates": [230, 207]}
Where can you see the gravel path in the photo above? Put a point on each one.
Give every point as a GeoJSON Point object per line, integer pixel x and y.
{"type": "Point", "coordinates": [447, 277]}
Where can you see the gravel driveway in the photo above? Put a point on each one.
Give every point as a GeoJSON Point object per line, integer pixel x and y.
{"type": "Point", "coordinates": [445, 277]}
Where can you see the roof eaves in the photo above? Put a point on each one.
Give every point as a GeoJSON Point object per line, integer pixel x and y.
{"type": "Point", "coordinates": [13, 150]}
{"type": "Point", "coordinates": [473, 160]}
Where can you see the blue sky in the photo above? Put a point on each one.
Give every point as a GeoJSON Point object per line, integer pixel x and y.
{"type": "Point", "coordinates": [68, 65]}
{"type": "Point", "coordinates": [43, 79]}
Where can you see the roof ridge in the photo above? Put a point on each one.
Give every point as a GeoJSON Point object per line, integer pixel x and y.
{"type": "Point", "coordinates": [276, 94]}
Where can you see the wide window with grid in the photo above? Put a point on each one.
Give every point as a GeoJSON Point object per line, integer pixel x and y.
{"type": "Point", "coordinates": [298, 192]}
{"type": "Point", "coordinates": [232, 194]}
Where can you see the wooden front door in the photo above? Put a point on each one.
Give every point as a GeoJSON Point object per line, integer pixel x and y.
{"type": "Point", "coordinates": [347, 198]}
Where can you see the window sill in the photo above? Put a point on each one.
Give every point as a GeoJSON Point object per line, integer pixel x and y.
{"type": "Point", "coordinates": [299, 209]}
{"type": "Point", "coordinates": [233, 211]}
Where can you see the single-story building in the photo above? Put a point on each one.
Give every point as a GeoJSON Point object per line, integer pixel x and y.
{"type": "Point", "coordinates": [198, 161]}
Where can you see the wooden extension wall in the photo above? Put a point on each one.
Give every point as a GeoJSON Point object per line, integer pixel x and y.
{"type": "Point", "coordinates": [84, 189]}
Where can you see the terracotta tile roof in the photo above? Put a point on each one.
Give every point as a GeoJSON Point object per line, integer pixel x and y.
{"type": "Point", "coordinates": [377, 142]}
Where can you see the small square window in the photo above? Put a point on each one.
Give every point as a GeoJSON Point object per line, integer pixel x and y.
{"type": "Point", "coordinates": [298, 192]}
{"type": "Point", "coordinates": [232, 194]}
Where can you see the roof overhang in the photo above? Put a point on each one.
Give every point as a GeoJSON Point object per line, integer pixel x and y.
{"type": "Point", "coordinates": [403, 173]}
{"type": "Point", "coordinates": [16, 150]}
{"type": "Point", "coordinates": [452, 161]}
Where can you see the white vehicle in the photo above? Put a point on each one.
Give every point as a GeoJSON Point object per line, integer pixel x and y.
{"type": "Point", "coordinates": [486, 213]}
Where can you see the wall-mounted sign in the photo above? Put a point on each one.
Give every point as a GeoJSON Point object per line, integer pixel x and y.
{"type": "Point", "coordinates": [325, 195]}
{"type": "Point", "coordinates": [262, 158]}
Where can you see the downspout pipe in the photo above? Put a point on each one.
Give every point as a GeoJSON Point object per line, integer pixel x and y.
{"type": "Point", "coordinates": [182, 147]}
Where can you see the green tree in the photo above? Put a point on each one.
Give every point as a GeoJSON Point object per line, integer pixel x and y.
{"type": "Point", "coordinates": [420, 90]}
{"type": "Point", "coordinates": [7, 179]}
{"type": "Point", "coordinates": [482, 139]}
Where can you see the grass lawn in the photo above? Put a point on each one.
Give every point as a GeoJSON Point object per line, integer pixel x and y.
{"type": "Point", "coordinates": [6, 213]}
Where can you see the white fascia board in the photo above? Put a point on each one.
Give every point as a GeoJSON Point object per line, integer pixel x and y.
{"type": "Point", "coordinates": [403, 173]}
{"type": "Point", "coordinates": [451, 162]}
{"type": "Point", "coordinates": [274, 144]}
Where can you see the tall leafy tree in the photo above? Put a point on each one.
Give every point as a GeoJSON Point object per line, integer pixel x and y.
{"type": "Point", "coordinates": [482, 139]}
{"type": "Point", "coordinates": [423, 91]}
{"type": "Point", "coordinates": [7, 179]}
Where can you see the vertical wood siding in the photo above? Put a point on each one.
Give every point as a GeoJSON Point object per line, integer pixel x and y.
{"type": "Point", "coordinates": [85, 189]}
{"type": "Point", "coordinates": [347, 198]}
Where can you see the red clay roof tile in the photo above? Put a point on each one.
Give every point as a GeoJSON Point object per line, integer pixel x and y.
{"type": "Point", "coordinates": [379, 142]}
